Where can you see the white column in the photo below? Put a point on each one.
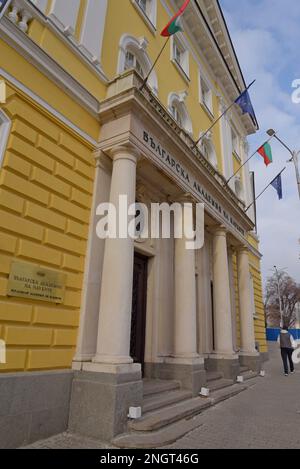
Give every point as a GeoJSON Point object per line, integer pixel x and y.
{"type": "Point", "coordinates": [113, 343]}
{"type": "Point", "coordinates": [185, 343]}
{"type": "Point", "coordinates": [89, 311]}
{"type": "Point", "coordinates": [246, 316]}
{"type": "Point", "coordinates": [222, 304]}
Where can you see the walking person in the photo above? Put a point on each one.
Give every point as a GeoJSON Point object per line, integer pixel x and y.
{"type": "Point", "coordinates": [287, 346]}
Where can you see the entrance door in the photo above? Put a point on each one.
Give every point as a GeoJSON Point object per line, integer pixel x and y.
{"type": "Point", "coordinates": [138, 318]}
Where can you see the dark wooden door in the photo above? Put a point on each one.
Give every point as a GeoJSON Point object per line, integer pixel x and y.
{"type": "Point", "coordinates": [139, 301]}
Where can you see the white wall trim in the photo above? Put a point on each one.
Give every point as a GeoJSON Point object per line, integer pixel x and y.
{"type": "Point", "coordinates": [5, 126]}
{"type": "Point", "coordinates": [46, 106]}
{"type": "Point", "coordinates": [49, 67]}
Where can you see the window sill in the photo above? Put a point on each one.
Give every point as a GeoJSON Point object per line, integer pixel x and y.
{"type": "Point", "coordinates": [207, 111]}
{"type": "Point", "coordinates": [181, 71]}
{"type": "Point", "coordinates": [144, 17]}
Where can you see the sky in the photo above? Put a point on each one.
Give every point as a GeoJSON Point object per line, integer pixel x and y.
{"type": "Point", "coordinates": [266, 36]}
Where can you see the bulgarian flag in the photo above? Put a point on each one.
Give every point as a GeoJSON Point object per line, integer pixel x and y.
{"type": "Point", "coordinates": [266, 152]}
{"type": "Point", "coordinates": [174, 24]}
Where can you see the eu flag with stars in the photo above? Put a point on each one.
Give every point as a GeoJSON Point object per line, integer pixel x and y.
{"type": "Point", "coordinates": [277, 184]}
{"type": "Point", "coordinates": [245, 104]}
{"type": "Point", "coordinates": [3, 4]}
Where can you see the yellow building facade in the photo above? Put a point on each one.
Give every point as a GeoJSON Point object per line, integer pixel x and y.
{"type": "Point", "coordinates": [76, 126]}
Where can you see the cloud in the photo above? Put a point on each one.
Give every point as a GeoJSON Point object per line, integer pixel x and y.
{"type": "Point", "coordinates": [266, 35]}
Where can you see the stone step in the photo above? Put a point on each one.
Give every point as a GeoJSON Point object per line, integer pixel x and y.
{"type": "Point", "coordinates": [156, 439]}
{"type": "Point", "coordinates": [147, 433]}
{"type": "Point", "coordinates": [213, 376]}
{"type": "Point", "coordinates": [226, 393]}
{"type": "Point", "coordinates": [243, 369]}
{"type": "Point", "coordinates": [220, 384]}
{"type": "Point", "coordinates": [249, 375]}
{"type": "Point", "coordinates": [157, 401]}
{"type": "Point", "coordinates": [151, 387]}
{"type": "Point", "coordinates": [158, 419]}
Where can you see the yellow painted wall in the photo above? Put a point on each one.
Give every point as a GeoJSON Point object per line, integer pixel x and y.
{"type": "Point", "coordinates": [47, 176]}
{"type": "Point", "coordinates": [46, 184]}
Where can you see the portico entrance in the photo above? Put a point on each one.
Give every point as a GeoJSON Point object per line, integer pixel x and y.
{"type": "Point", "coordinates": [138, 314]}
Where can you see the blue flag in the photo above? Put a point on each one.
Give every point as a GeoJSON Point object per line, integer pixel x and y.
{"type": "Point", "coordinates": [277, 184]}
{"type": "Point", "coordinates": [245, 104]}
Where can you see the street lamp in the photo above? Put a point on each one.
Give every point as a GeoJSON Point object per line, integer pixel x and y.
{"type": "Point", "coordinates": [294, 154]}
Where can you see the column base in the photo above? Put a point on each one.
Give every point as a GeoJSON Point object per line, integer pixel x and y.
{"type": "Point", "coordinates": [192, 376]}
{"type": "Point", "coordinates": [227, 364]}
{"type": "Point", "coordinates": [253, 361]}
{"type": "Point", "coordinates": [101, 399]}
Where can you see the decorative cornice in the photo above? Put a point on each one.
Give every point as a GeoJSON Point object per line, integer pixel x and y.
{"type": "Point", "coordinates": [21, 42]}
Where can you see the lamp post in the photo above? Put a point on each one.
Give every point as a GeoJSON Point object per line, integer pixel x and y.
{"type": "Point", "coordinates": [295, 154]}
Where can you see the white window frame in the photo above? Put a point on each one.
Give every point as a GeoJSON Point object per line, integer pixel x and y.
{"type": "Point", "coordinates": [65, 15]}
{"type": "Point", "coordinates": [40, 4]}
{"type": "Point", "coordinates": [235, 140]}
{"type": "Point", "coordinates": [138, 47]}
{"type": "Point", "coordinates": [149, 16]}
{"type": "Point", "coordinates": [94, 19]}
{"type": "Point", "coordinates": [183, 66]}
{"type": "Point", "coordinates": [206, 95]}
{"type": "Point", "coordinates": [212, 155]}
{"type": "Point", "coordinates": [240, 192]}
{"type": "Point", "coordinates": [5, 126]}
{"type": "Point", "coordinates": [177, 101]}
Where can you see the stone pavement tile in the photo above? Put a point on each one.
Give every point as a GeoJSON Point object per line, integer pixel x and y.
{"type": "Point", "coordinates": [266, 415]}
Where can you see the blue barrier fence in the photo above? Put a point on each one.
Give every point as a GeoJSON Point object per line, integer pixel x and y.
{"type": "Point", "coordinates": [272, 334]}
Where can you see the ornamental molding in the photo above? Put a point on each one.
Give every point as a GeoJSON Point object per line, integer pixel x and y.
{"type": "Point", "coordinates": [34, 54]}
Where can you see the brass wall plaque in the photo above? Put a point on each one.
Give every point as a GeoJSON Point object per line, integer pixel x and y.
{"type": "Point", "coordinates": [36, 283]}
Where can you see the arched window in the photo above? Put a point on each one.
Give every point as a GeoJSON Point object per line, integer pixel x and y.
{"type": "Point", "coordinates": [5, 125]}
{"type": "Point", "coordinates": [179, 111]}
{"type": "Point", "coordinates": [207, 148]}
{"type": "Point", "coordinates": [133, 55]}
{"type": "Point", "coordinates": [238, 188]}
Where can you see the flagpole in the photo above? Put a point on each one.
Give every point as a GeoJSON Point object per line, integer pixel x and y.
{"type": "Point", "coordinates": [152, 68]}
{"type": "Point", "coordinates": [265, 189]}
{"type": "Point", "coordinates": [231, 177]}
{"type": "Point", "coordinates": [220, 117]}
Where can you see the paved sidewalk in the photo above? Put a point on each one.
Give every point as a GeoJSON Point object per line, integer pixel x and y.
{"type": "Point", "coordinates": [267, 415]}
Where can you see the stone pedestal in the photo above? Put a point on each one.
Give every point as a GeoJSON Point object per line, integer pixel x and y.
{"type": "Point", "coordinates": [100, 400]}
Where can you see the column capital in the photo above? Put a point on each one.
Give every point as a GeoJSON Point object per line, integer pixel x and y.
{"type": "Point", "coordinates": [125, 152]}
{"type": "Point", "coordinates": [242, 249]}
{"type": "Point", "coordinates": [102, 160]}
{"type": "Point", "coordinates": [219, 230]}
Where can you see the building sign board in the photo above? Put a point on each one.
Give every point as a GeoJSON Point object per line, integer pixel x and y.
{"type": "Point", "coordinates": [180, 171]}
{"type": "Point", "coordinates": [36, 283]}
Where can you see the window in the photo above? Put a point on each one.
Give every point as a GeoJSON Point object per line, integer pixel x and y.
{"type": "Point", "coordinates": [5, 125]}
{"type": "Point", "coordinates": [132, 54]}
{"type": "Point", "coordinates": [206, 95]}
{"type": "Point", "coordinates": [147, 9]}
{"type": "Point", "coordinates": [180, 57]}
{"type": "Point", "coordinates": [132, 62]}
{"type": "Point", "coordinates": [238, 188]}
{"type": "Point", "coordinates": [179, 111]}
{"type": "Point", "coordinates": [208, 150]}
{"type": "Point", "coordinates": [235, 142]}
{"type": "Point", "coordinates": [176, 114]}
